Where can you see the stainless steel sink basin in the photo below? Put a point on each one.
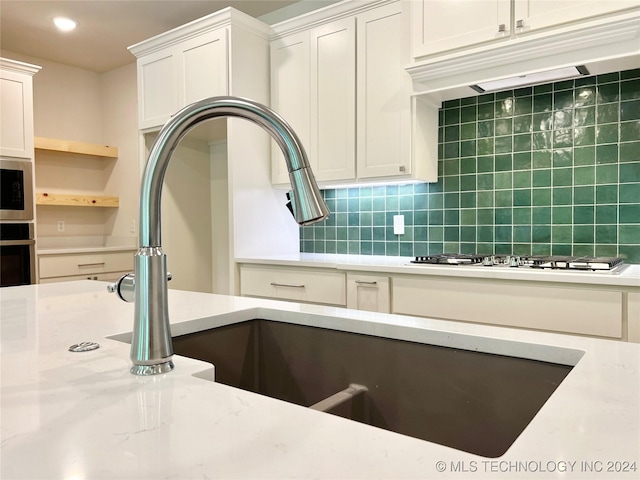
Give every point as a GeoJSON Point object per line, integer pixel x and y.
{"type": "Point", "coordinates": [468, 400]}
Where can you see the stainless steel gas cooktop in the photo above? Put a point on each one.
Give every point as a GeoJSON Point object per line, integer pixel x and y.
{"type": "Point", "coordinates": [552, 263]}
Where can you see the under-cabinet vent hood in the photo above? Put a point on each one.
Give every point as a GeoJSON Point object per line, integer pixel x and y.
{"type": "Point", "coordinates": [601, 47]}
{"type": "Point", "coordinates": [547, 76]}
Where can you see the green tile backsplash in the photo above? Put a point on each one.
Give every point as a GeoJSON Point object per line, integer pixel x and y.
{"type": "Point", "coordinates": [549, 169]}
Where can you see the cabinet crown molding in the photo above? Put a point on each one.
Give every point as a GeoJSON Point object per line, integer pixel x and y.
{"type": "Point", "coordinates": [19, 67]}
{"type": "Point", "coordinates": [225, 17]}
{"type": "Point", "coordinates": [615, 38]}
{"type": "Point", "coordinates": [324, 15]}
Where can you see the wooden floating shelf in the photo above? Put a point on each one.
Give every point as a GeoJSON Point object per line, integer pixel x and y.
{"type": "Point", "coordinates": [73, 200]}
{"type": "Point", "coordinates": [69, 146]}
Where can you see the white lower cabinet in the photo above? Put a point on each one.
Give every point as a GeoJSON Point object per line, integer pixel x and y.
{"type": "Point", "coordinates": [368, 292]}
{"type": "Point", "coordinates": [106, 266]}
{"type": "Point", "coordinates": [103, 277]}
{"type": "Point", "coordinates": [611, 312]}
{"type": "Point", "coordinates": [313, 285]}
{"type": "Point", "coordinates": [557, 308]}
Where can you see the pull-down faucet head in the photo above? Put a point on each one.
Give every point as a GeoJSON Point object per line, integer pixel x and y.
{"type": "Point", "coordinates": [151, 346]}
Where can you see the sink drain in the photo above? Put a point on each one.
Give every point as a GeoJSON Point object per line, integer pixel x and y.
{"type": "Point", "coordinates": [84, 347]}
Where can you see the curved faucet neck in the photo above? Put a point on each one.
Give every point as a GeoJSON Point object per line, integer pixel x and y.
{"type": "Point", "coordinates": [151, 345]}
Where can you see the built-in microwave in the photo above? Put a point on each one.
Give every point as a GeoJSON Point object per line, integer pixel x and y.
{"type": "Point", "coordinates": [16, 190]}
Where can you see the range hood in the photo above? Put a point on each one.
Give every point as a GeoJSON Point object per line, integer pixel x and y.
{"type": "Point", "coordinates": [547, 76]}
{"type": "Point", "coordinates": [600, 47]}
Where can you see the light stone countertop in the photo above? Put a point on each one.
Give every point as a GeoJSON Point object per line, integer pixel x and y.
{"type": "Point", "coordinates": [84, 416]}
{"type": "Point", "coordinates": [628, 277]}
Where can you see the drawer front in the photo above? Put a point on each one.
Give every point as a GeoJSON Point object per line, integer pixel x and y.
{"type": "Point", "coordinates": [300, 285]}
{"type": "Point", "coordinates": [559, 308]}
{"type": "Point", "coordinates": [85, 264]}
{"type": "Point", "coordinates": [368, 292]}
{"type": "Point", "coordinates": [104, 277]}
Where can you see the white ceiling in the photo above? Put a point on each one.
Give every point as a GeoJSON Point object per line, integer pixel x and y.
{"type": "Point", "coordinates": [106, 28]}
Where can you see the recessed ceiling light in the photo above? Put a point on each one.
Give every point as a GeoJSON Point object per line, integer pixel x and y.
{"type": "Point", "coordinates": [64, 24]}
{"type": "Point", "coordinates": [531, 79]}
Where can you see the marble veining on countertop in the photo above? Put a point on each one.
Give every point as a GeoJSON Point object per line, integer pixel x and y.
{"type": "Point", "coordinates": [83, 415]}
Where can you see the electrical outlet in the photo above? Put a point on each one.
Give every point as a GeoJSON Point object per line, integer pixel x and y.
{"type": "Point", "coordinates": [398, 224]}
{"type": "Point", "coordinates": [132, 226]}
{"type": "Point", "coordinates": [61, 225]}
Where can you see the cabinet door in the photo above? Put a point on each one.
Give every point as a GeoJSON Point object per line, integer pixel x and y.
{"type": "Point", "coordinates": [157, 88]}
{"type": "Point", "coordinates": [16, 115]}
{"type": "Point", "coordinates": [633, 317]}
{"type": "Point", "coordinates": [333, 102]}
{"type": "Point", "coordinates": [204, 67]}
{"type": "Point", "coordinates": [290, 94]}
{"type": "Point", "coordinates": [383, 94]}
{"type": "Point", "coordinates": [535, 14]}
{"type": "Point", "coordinates": [368, 292]}
{"type": "Point", "coordinates": [561, 308]}
{"type": "Point", "coordinates": [442, 25]}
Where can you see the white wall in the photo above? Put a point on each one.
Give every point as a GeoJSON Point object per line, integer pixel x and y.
{"type": "Point", "coordinates": [67, 101]}
{"type": "Point", "coordinates": [120, 121]}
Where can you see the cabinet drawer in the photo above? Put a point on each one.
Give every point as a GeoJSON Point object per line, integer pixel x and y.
{"type": "Point", "coordinates": [585, 311]}
{"type": "Point", "coordinates": [297, 284]}
{"type": "Point", "coordinates": [368, 292]}
{"type": "Point", "coordinates": [84, 264]}
{"type": "Point", "coordinates": [103, 277]}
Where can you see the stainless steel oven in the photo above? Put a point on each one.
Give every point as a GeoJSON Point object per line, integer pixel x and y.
{"type": "Point", "coordinates": [17, 254]}
{"type": "Point", "coordinates": [16, 190]}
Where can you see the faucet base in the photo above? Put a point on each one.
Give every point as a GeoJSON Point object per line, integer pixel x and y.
{"type": "Point", "coordinates": [146, 370]}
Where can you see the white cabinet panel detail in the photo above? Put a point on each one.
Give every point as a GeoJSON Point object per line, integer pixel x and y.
{"type": "Point", "coordinates": [16, 114]}
{"type": "Point", "coordinates": [333, 101]}
{"type": "Point", "coordinates": [442, 25]}
{"type": "Point", "coordinates": [289, 91]}
{"type": "Point", "coordinates": [158, 89]}
{"type": "Point", "coordinates": [559, 309]}
{"type": "Point", "coordinates": [297, 284]}
{"type": "Point", "coordinates": [204, 63]}
{"type": "Point", "coordinates": [384, 101]}
{"type": "Point", "coordinates": [368, 292]}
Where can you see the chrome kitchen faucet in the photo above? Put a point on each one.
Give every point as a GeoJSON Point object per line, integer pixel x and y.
{"type": "Point", "coordinates": [151, 345]}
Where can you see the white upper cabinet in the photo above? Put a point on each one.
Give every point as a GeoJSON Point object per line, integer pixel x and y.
{"type": "Point", "coordinates": [16, 114]}
{"type": "Point", "coordinates": [339, 79]}
{"type": "Point", "coordinates": [536, 14]}
{"type": "Point", "coordinates": [313, 86]}
{"type": "Point", "coordinates": [333, 100]}
{"type": "Point", "coordinates": [443, 25]}
{"type": "Point", "coordinates": [384, 95]}
{"type": "Point", "coordinates": [182, 66]}
{"type": "Point", "coordinates": [459, 43]}
{"type": "Point", "coordinates": [157, 88]}
{"type": "Point", "coordinates": [446, 25]}
{"type": "Point", "coordinates": [181, 74]}
{"type": "Point", "coordinates": [289, 90]}
{"type": "Point", "coordinates": [290, 63]}
{"type": "Point", "coordinates": [204, 66]}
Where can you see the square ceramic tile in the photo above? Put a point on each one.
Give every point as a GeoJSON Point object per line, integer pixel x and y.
{"type": "Point", "coordinates": [553, 168]}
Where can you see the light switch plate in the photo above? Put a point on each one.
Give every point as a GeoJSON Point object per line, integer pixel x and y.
{"type": "Point", "coordinates": [398, 224]}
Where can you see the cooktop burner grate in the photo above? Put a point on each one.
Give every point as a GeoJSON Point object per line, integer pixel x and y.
{"type": "Point", "coordinates": [553, 262]}
{"type": "Point", "coordinates": [449, 259]}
